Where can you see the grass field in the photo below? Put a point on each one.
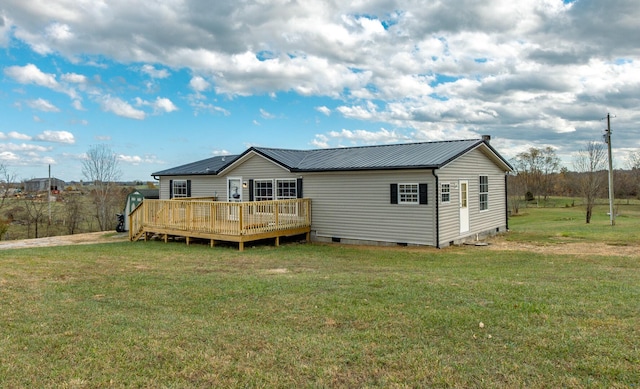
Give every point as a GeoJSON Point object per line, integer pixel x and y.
{"type": "Point", "coordinates": [308, 315]}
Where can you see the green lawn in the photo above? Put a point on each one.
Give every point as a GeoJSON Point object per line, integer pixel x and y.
{"type": "Point", "coordinates": [567, 224]}
{"type": "Point", "coordinates": [170, 315]}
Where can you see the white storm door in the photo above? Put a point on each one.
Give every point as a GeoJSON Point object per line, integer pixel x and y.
{"type": "Point", "coordinates": [464, 206]}
{"type": "Point", "coordinates": [234, 195]}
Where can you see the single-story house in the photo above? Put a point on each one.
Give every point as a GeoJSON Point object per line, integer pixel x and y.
{"type": "Point", "coordinates": [429, 193]}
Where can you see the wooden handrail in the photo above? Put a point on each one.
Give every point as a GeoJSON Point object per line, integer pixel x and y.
{"type": "Point", "coordinates": [219, 217]}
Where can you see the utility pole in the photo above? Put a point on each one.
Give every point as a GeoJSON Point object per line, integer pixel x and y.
{"type": "Point", "coordinates": [612, 216]}
{"type": "Point", "coordinates": [49, 194]}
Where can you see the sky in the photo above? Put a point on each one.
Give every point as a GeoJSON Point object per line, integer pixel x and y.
{"type": "Point", "coordinates": [167, 82]}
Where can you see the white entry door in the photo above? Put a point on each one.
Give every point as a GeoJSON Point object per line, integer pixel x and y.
{"type": "Point", "coordinates": [464, 206]}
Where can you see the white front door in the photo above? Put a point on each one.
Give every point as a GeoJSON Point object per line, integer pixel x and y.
{"type": "Point", "coordinates": [464, 206]}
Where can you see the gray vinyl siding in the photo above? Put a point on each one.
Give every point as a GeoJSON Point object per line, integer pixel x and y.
{"type": "Point", "coordinates": [255, 167]}
{"type": "Point", "coordinates": [470, 167]}
{"type": "Point", "coordinates": [201, 186]}
{"type": "Point", "coordinates": [356, 206]}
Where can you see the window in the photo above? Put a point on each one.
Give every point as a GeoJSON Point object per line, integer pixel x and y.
{"type": "Point", "coordinates": [179, 189]}
{"type": "Point", "coordinates": [484, 193]}
{"type": "Point", "coordinates": [407, 193]}
{"type": "Point", "coordinates": [263, 190]}
{"type": "Point", "coordinates": [287, 189]}
{"type": "Point", "coordinates": [445, 192]}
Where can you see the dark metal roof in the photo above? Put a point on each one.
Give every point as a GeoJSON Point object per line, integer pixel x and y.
{"type": "Point", "coordinates": [149, 193]}
{"type": "Point", "coordinates": [426, 155]}
{"type": "Point", "coordinates": [205, 166]}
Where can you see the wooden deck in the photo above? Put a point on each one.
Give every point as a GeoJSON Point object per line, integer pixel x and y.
{"type": "Point", "coordinates": [220, 221]}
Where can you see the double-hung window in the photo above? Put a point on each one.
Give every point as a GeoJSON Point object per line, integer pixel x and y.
{"type": "Point", "coordinates": [262, 190]}
{"type": "Point", "coordinates": [407, 193]}
{"type": "Point", "coordinates": [445, 193]}
{"type": "Point", "coordinates": [484, 193]}
{"type": "Point", "coordinates": [286, 189]}
{"type": "Point", "coordinates": [179, 188]}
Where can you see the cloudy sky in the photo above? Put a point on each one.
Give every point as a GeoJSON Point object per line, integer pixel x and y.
{"type": "Point", "coordinates": [168, 82]}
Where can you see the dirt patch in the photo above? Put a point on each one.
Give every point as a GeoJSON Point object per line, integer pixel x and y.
{"type": "Point", "coordinates": [66, 240]}
{"type": "Point", "coordinates": [565, 248]}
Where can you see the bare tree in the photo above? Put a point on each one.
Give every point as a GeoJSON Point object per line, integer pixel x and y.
{"type": "Point", "coordinates": [535, 168]}
{"type": "Point", "coordinates": [36, 211]}
{"type": "Point", "coordinates": [7, 179]}
{"type": "Point", "coordinates": [73, 210]}
{"type": "Point", "coordinates": [590, 162]}
{"type": "Point", "coordinates": [102, 169]}
{"type": "Point", "coordinates": [633, 163]}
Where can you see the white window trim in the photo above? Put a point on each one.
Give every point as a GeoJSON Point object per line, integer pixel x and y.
{"type": "Point", "coordinates": [448, 184]}
{"type": "Point", "coordinates": [402, 201]}
{"type": "Point", "coordinates": [176, 195]}
{"type": "Point", "coordinates": [480, 193]}
{"type": "Point", "coordinates": [229, 194]}
{"type": "Point", "coordinates": [255, 188]}
{"type": "Point", "coordinates": [295, 185]}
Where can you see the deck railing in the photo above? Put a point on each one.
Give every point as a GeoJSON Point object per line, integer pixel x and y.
{"type": "Point", "coordinates": [220, 218]}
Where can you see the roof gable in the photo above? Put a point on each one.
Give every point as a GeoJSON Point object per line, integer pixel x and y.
{"type": "Point", "coordinates": [206, 166]}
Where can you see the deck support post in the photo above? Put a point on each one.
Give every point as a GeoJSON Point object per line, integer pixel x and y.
{"type": "Point", "coordinates": [277, 241]}
{"type": "Point", "coordinates": [240, 246]}
{"type": "Point", "coordinates": [188, 239]}
{"type": "Point", "coordinates": [213, 242]}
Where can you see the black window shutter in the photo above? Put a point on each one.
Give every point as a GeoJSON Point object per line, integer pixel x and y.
{"type": "Point", "coordinates": [250, 190]}
{"type": "Point", "coordinates": [394, 193]}
{"type": "Point", "coordinates": [422, 191]}
{"type": "Point", "coordinates": [299, 188]}
{"type": "Point", "coordinates": [188, 188]}
{"type": "Point", "coordinates": [170, 189]}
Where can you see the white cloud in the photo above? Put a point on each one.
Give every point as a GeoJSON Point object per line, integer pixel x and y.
{"type": "Point", "coordinates": [137, 160]}
{"type": "Point", "coordinates": [199, 84]}
{"type": "Point", "coordinates": [74, 78]}
{"type": "Point", "coordinates": [56, 137]}
{"type": "Point", "coordinates": [266, 115]}
{"type": "Point", "coordinates": [14, 135]}
{"type": "Point", "coordinates": [160, 104]}
{"type": "Point", "coordinates": [363, 136]}
{"type": "Point", "coordinates": [77, 104]}
{"type": "Point", "coordinates": [23, 147]}
{"type": "Point", "coordinates": [324, 110]}
{"type": "Point", "coordinates": [30, 74]}
{"type": "Point", "coordinates": [9, 156]}
{"type": "Point", "coordinates": [42, 105]}
{"type": "Point", "coordinates": [120, 108]}
{"type": "Point", "coordinates": [164, 104]}
{"type": "Point", "coordinates": [204, 107]}
{"type": "Point", "coordinates": [151, 71]}
{"type": "Point", "coordinates": [58, 32]}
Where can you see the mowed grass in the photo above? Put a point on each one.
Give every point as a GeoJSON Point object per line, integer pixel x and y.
{"type": "Point", "coordinates": [170, 315]}
{"type": "Point", "coordinates": [567, 224]}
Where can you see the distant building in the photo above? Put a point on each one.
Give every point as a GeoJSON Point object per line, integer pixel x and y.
{"type": "Point", "coordinates": [41, 184]}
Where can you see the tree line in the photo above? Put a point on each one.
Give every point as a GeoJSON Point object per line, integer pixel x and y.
{"type": "Point", "coordinates": [539, 174]}
{"type": "Point", "coordinates": [97, 209]}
